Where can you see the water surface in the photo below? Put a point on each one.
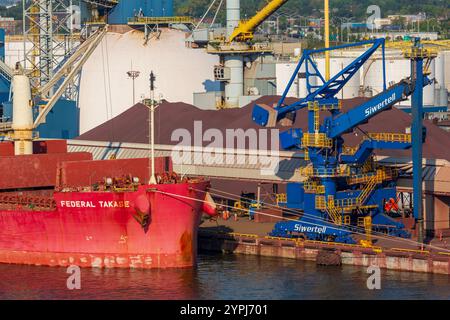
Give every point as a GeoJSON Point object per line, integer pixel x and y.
{"type": "Point", "coordinates": [222, 277]}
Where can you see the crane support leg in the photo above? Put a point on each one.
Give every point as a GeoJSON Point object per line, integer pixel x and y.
{"type": "Point", "coordinates": [417, 141]}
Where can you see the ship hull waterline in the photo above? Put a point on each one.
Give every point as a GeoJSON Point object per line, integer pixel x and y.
{"type": "Point", "coordinates": [153, 227]}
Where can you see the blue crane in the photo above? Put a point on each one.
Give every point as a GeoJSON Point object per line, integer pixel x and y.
{"type": "Point", "coordinates": [345, 189]}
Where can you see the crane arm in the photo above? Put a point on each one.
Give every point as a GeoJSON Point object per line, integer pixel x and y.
{"type": "Point", "coordinates": [326, 92]}
{"type": "Point", "coordinates": [345, 122]}
{"type": "Point", "coordinates": [244, 30]}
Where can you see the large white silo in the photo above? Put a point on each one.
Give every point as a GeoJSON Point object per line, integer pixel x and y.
{"type": "Point", "coordinates": [106, 90]}
{"type": "Point", "coordinates": [441, 89]}
{"type": "Point", "coordinates": [446, 55]}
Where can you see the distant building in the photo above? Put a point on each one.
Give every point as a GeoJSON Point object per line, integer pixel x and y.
{"type": "Point", "coordinates": [381, 23]}
{"type": "Point", "coordinates": [409, 18]}
{"type": "Point", "coordinates": [400, 35]}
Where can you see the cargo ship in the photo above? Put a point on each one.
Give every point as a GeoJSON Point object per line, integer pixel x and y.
{"type": "Point", "coordinates": [59, 208]}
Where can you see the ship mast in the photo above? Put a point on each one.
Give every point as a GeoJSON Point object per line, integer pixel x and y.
{"type": "Point", "coordinates": [151, 131]}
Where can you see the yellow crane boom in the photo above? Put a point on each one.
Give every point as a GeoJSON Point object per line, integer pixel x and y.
{"type": "Point", "coordinates": [244, 31]}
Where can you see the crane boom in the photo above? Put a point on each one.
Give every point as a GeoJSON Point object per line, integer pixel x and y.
{"type": "Point", "coordinates": [244, 30]}
{"type": "Point", "coordinates": [347, 121]}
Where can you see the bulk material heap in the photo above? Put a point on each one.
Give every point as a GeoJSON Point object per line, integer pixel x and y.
{"type": "Point", "coordinates": [345, 190]}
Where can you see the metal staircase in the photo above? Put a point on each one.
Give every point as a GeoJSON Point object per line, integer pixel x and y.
{"type": "Point", "coordinates": [368, 189]}
{"type": "Point", "coordinates": [333, 211]}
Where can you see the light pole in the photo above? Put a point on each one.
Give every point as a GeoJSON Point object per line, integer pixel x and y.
{"type": "Point", "coordinates": [152, 107]}
{"type": "Point", "coordinates": [133, 75]}
{"type": "Point", "coordinates": [327, 39]}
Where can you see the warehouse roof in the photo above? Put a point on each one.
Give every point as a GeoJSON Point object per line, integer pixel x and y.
{"type": "Point", "coordinates": [132, 125]}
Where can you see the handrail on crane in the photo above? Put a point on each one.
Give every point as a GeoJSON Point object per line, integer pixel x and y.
{"type": "Point", "coordinates": [244, 31]}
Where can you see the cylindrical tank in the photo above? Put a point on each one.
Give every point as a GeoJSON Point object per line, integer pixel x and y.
{"type": "Point", "coordinates": [233, 16]}
{"type": "Point", "coordinates": [440, 69]}
{"type": "Point", "coordinates": [437, 96]}
{"type": "Point", "coordinates": [446, 55]}
{"type": "Point", "coordinates": [443, 94]}
{"type": "Point", "coordinates": [234, 88]}
{"type": "Point", "coordinates": [283, 73]}
{"type": "Point", "coordinates": [22, 123]}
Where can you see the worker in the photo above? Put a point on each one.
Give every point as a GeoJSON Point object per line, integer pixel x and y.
{"type": "Point", "coordinates": [251, 214]}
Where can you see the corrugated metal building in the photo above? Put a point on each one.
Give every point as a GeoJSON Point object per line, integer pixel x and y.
{"type": "Point", "coordinates": [145, 8]}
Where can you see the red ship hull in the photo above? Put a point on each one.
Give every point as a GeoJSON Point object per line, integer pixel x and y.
{"type": "Point", "coordinates": [106, 229]}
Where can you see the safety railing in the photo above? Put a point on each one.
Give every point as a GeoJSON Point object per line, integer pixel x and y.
{"type": "Point", "coordinates": [161, 20]}
{"type": "Point", "coordinates": [390, 137]}
{"type": "Point", "coordinates": [383, 174]}
{"type": "Point", "coordinates": [316, 140]}
{"type": "Point", "coordinates": [410, 250]}
{"type": "Point", "coordinates": [315, 106]}
{"type": "Point", "coordinates": [320, 203]}
{"type": "Point", "coordinates": [313, 187]}
{"type": "Point", "coordinates": [98, 20]}
{"type": "Point", "coordinates": [423, 53]}
{"type": "Point", "coordinates": [306, 155]}
{"type": "Point", "coordinates": [281, 197]}
{"type": "Point", "coordinates": [27, 202]}
{"type": "Point", "coordinates": [104, 3]}
{"type": "Point", "coordinates": [309, 171]}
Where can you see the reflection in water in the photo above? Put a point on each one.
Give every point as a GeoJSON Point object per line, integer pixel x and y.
{"type": "Point", "coordinates": [221, 277]}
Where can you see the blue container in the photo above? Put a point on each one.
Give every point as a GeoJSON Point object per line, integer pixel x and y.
{"type": "Point", "coordinates": [147, 8]}
{"type": "Point", "coordinates": [62, 122]}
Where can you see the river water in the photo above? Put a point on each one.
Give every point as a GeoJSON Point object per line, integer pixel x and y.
{"type": "Point", "coordinates": [222, 277]}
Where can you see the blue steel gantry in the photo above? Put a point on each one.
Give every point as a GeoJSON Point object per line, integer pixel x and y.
{"type": "Point", "coordinates": [345, 189]}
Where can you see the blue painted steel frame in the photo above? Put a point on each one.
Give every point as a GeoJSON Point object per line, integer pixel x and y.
{"type": "Point", "coordinates": [326, 160]}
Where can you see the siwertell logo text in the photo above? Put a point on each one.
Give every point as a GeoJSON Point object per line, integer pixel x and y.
{"type": "Point", "coordinates": [316, 229]}
{"type": "Point", "coordinates": [381, 105]}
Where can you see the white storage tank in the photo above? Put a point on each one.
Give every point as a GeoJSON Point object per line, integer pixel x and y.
{"type": "Point", "coordinates": [283, 73]}
{"type": "Point", "coordinates": [446, 55]}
